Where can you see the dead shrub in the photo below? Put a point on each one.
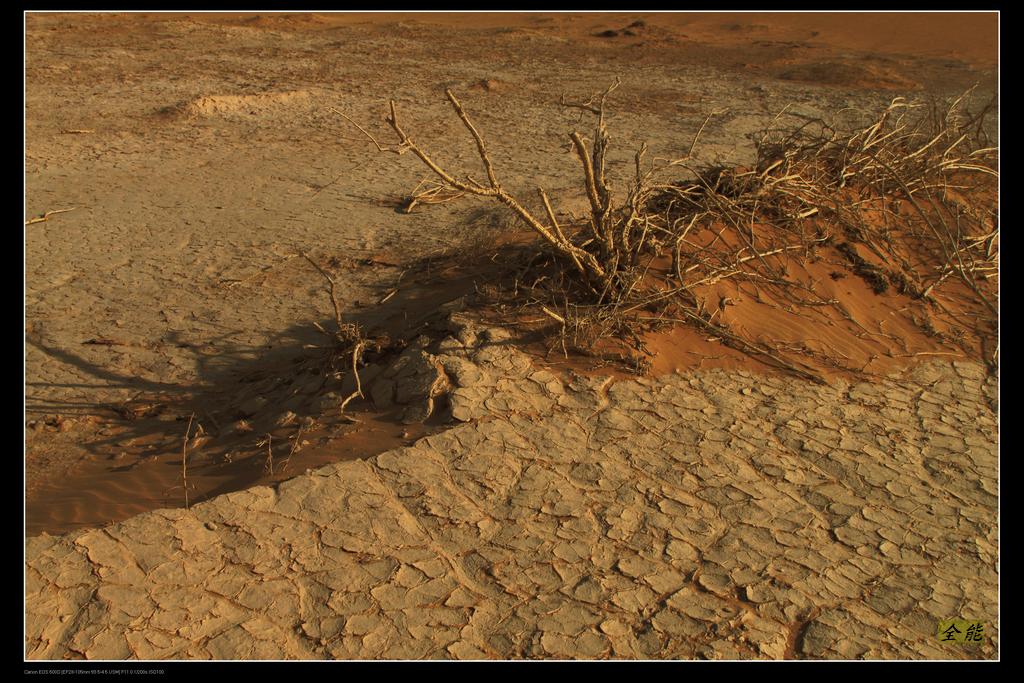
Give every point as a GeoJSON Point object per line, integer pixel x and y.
{"type": "Point", "coordinates": [928, 173]}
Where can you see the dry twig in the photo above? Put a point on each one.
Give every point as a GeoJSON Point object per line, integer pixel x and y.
{"type": "Point", "coordinates": [46, 216]}
{"type": "Point", "coordinates": [184, 459]}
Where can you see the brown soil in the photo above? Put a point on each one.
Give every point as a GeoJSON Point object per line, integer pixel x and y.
{"type": "Point", "coordinates": [200, 153]}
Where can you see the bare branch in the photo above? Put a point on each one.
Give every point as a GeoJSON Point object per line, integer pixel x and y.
{"type": "Point", "coordinates": [481, 148]}
{"type": "Point", "coordinates": [330, 281]}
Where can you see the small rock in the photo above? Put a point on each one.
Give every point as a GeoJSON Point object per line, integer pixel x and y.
{"type": "Point", "coordinates": [294, 403]}
{"type": "Point", "coordinates": [311, 385]}
{"type": "Point", "coordinates": [464, 329]}
{"type": "Point", "coordinates": [467, 336]}
{"type": "Point", "coordinates": [464, 411]}
{"type": "Point", "coordinates": [449, 344]}
{"type": "Point", "coordinates": [418, 412]}
{"type": "Point", "coordinates": [464, 650]}
{"type": "Point", "coordinates": [634, 566]}
{"type": "Point", "coordinates": [368, 374]}
{"type": "Point", "coordinates": [252, 406]}
{"type": "Point", "coordinates": [715, 581]}
{"type": "Point", "coordinates": [797, 426]}
{"type": "Point", "coordinates": [413, 362]}
{"type": "Point", "coordinates": [497, 335]}
{"type": "Point", "coordinates": [329, 403]}
{"type": "Point", "coordinates": [614, 628]}
{"type": "Point", "coordinates": [401, 363]}
{"type": "Point", "coordinates": [589, 590]}
{"type": "Point", "coordinates": [348, 383]}
{"type": "Point", "coordinates": [453, 306]}
{"type": "Point", "coordinates": [758, 593]}
{"type": "Point", "coordinates": [423, 377]}
{"type": "Point", "coordinates": [462, 372]}
{"type": "Point", "coordinates": [382, 393]}
{"type": "Point", "coordinates": [818, 638]}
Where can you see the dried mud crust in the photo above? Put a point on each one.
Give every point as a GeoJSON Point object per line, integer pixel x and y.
{"type": "Point", "coordinates": [713, 515]}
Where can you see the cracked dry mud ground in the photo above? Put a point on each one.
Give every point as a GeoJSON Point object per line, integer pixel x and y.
{"type": "Point", "coordinates": [716, 515]}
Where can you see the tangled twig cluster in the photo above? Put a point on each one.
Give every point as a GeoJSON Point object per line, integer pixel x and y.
{"type": "Point", "coordinates": [912, 189]}
{"type": "Point", "coordinates": [614, 236]}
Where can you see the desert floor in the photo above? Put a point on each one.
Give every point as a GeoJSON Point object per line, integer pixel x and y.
{"type": "Point", "coordinates": [189, 161]}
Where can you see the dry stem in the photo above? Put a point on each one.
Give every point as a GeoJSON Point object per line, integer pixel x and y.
{"type": "Point", "coordinates": [184, 459]}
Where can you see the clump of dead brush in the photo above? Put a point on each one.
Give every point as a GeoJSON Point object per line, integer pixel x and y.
{"type": "Point", "coordinates": [917, 187]}
{"type": "Point", "coordinates": [746, 224]}
{"type": "Point", "coordinates": [605, 252]}
{"type": "Point", "coordinates": [348, 344]}
{"type": "Point", "coordinates": [935, 159]}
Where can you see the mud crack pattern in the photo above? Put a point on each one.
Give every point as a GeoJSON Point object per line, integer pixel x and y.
{"type": "Point", "coordinates": [713, 515]}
